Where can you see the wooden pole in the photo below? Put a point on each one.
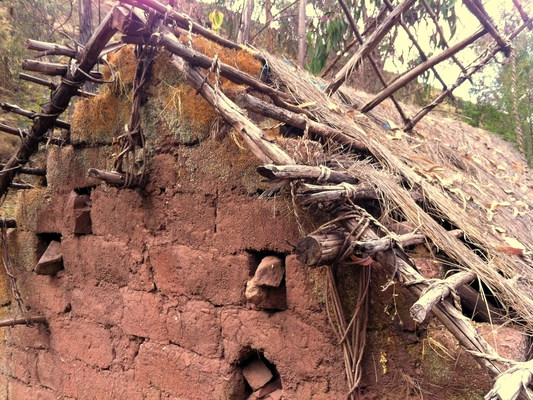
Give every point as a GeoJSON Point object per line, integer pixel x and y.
{"type": "Point", "coordinates": [51, 85]}
{"type": "Point", "coordinates": [380, 76]}
{"type": "Point", "coordinates": [300, 121]}
{"type": "Point", "coordinates": [8, 222]}
{"type": "Point", "coordinates": [415, 72]}
{"type": "Point", "coordinates": [477, 9]}
{"type": "Point", "coordinates": [367, 47]}
{"type": "Point", "coordinates": [60, 98]}
{"type": "Point", "coordinates": [22, 321]}
{"type": "Point", "coordinates": [440, 98]}
{"type": "Point", "coordinates": [183, 21]}
{"type": "Point", "coordinates": [227, 71]}
{"type": "Point", "coordinates": [322, 174]}
{"type": "Point", "coordinates": [30, 114]}
{"type": "Point", "coordinates": [28, 171]}
{"type": "Point", "coordinates": [114, 178]}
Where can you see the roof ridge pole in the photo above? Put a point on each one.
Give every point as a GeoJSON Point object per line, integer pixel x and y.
{"type": "Point", "coordinates": [372, 62]}
{"type": "Point", "coordinates": [367, 47]}
{"type": "Point", "coordinates": [421, 68]}
{"type": "Point", "coordinates": [60, 98]}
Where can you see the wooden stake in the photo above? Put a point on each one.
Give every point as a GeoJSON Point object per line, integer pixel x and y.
{"type": "Point", "coordinates": [28, 171]}
{"type": "Point", "coordinates": [22, 321]}
{"type": "Point", "coordinates": [8, 222]}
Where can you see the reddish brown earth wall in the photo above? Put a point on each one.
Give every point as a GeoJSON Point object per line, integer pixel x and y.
{"type": "Point", "coordinates": [151, 304]}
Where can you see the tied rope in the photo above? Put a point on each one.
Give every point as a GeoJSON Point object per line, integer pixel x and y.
{"type": "Point", "coordinates": [518, 127]}
{"type": "Point", "coordinates": [325, 173]}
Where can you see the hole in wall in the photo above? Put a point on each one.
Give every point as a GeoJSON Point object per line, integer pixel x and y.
{"type": "Point", "coordinates": [84, 190]}
{"type": "Point", "coordinates": [44, 241]}
{"type": "Point", "coordinates": [256, 256]}
{"type": "Point", "coordinates": [50, 255]}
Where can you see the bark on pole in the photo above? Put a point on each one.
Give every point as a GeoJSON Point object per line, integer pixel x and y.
{"type": "Point", "coordinates": [60, 98]}
{"type": "Point", "coordinates": [85, 14]}
{"type": "Point", "coordinates": [367, 47]}
{"type": "Point", "coordinates": [302, 38]}
{"type": "Point", "coordinates": [243, 36]}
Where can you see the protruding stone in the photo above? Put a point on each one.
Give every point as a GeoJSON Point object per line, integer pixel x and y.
{"type": "Point", "coordinates": [269, 272]}
{"type": "Point", "coordinates": [79, 213]}
{"type": "Point", "coordinates": [266, 298]}
{"type": "Point", "coordinates": [51, 261]}
{"type": "Point", "coordinates": [257, 374]}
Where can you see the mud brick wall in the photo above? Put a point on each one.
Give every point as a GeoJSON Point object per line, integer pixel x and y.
{"type": "Point", "coordinates": [151, 304]}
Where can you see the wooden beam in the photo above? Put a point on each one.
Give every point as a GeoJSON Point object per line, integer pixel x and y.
{"type": "Point", "coordinates": [51, 69]}
{"type": "Point", "coordinates": [367, 47]}
{"type": "Point", "coordinates": [438, 292]}
{"type": "Point", "coordinates": [114, 178]}
{"type": "Point", "coordinates": [51, 85]}
{"type": "Point", "coordinates": [47, 49]}
{"type": "Point", "coordinates": [28, 171]}
{"type": "Point", "coordinates": [233, 74]}
{"type": "Point", "coordinates": [183, 21]}
{"type": "Point", "coordinates": [420, 69]}
{"type": "Point", "coordinates": [22, 321]}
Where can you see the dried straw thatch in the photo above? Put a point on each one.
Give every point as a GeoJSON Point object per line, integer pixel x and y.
{"type": "Point", "coordinates": [470, 180]}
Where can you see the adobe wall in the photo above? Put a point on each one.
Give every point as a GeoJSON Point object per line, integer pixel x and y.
{"type": "Point", "coordinates": [152, 303]}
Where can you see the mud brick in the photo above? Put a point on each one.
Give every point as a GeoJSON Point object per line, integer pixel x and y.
{"type": "Point", "coordinates": [82, 340]}
{"type": "Point", "coordinates": [143, 315]}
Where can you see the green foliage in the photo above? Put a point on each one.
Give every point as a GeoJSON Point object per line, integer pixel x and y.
{"type": "Point", "coordinates": [495, 110]}
{"type": "Point", "coordinates": [324, 39]}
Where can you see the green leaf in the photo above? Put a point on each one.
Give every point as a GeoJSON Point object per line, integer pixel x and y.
{"type": "Point", "coordinates": [216, 17]}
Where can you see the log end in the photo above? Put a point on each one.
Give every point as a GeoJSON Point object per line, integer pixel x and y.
{"type": "Point", "coordinates": [418, 313]}
{"type": "Point", "coordinates": [308, 251]}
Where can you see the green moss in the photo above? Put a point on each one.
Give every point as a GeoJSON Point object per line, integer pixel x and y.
{"type": "Point", "coordinates": [29, 206]}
